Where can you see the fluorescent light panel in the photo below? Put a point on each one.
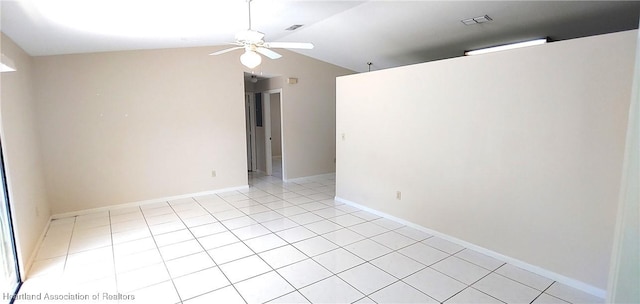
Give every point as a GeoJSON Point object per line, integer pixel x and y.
{"type": "Point", "coordinates": [507, 47]}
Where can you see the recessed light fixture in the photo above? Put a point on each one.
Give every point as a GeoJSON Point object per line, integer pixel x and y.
{"type": "Point", "coordinates": [507, 47]}
{"type": "Point", "coordinates": [476, 20]}
{"type": "Point", "coordinates": [294, 27]}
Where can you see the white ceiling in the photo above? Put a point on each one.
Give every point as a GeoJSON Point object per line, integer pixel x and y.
{"type": "Point", "coordinates": [346, 33]}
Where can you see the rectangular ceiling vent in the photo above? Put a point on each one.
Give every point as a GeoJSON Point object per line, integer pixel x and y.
{"type": "Point", "coordinates": [294, 27]}
{"type": "Point", "coordinates": [476, 20]}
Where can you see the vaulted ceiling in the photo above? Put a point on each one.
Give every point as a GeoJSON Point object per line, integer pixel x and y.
{"type": "Point", "coordinates": [346, 33]}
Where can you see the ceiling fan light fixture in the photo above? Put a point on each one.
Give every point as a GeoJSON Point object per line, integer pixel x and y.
{"type": "Point", "coordinates": [250, 59]}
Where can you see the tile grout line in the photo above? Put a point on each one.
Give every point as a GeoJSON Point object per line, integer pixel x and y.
{"type": "Point", "coordinates": [160, 253]}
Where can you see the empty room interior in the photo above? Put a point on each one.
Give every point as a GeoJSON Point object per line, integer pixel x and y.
{"type": "Point", "coordinates": [266, 151]}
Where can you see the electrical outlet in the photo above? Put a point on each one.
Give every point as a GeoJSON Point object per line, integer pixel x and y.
{"type": "Point", "coordinates": [344, 136]}
{"type": "Point", "coordinates": [213, 173]}
{"type": "Point", "coordinates": [398, 195]}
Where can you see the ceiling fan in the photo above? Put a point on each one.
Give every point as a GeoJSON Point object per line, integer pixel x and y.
{"type": "Point", "coordinates": [253, 43]}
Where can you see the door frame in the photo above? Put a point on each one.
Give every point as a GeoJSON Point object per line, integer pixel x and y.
{"type": "Point", "coordinates": [10, 228]}
{"type": "Point", "coordinates": [266, 119]}
{"type": "Point", "coordinates": [250, 118]}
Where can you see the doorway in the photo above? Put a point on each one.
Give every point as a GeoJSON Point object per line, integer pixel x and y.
{"type": "Point", "coordinates": [275, 117]}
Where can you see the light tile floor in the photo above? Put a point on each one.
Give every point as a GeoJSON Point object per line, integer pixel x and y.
{"type": "Point", "coordinates": [274, 242]}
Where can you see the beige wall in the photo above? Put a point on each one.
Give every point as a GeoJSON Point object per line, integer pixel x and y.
{"type": "Point", "coordinates": [308, 112]}
{"type": "Point", "coordinates": [519, 152]}
{"type": "Point", "coordinates": [624, 278]}
{"type": "Point", "coordinates": [121, 127]}
{"type": "Point", "coordinates": [21, 148]}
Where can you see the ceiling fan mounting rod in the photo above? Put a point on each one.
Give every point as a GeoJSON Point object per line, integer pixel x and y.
{"type": "Point", "coordinates": [249, 9]}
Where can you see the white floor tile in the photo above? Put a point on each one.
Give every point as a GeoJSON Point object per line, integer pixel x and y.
{"type": "Point", "coordinates": [368, 229]}
{"type": "Point", "coordinates": [142, 277]}
{"type": "Point", "coordinates": [471, 295]}
{"type": "Point", "coordinates": [393, 240]}
{"type": "Point", "coordinates": [525, 277]}
{"type": "Point", "coordinates": [137, 260]}
{"type": "Point", "coordinates": [282, 256]}
{"type": "Point", "coordinates": [387, 223]}
{"type": "Point", "coordinates": [347, 220]}
{"type": "Point", "coordinates": [547, 299]}
{"type": "Point", "coordinates": [163, 292]}
{"type": "Point", "coordinates": [173, 237]}
{"type": "Point", "coordinates": [158, 254]}
{"type": "Point", "coordinates": [199, 220]}
{"type": "Point", "coordinates": [413, 233]}
{"type": "Point", "coordinates": [367, 278]}
{"type": "Point", "coordinates": [207, 229]}
{"type": "Point", "coordinates": [305, 218]}
{"type": "Point", "coordinates": [295, 234]}
{"type": "Point", "coordinates": [189, 264]}
{"type": "Point", "coordinates": [434, 284]}
{"type": "Point", "coordinates": [263, 288]}
{"type": "Point", "coordinates": [218, 240]}
{"type": "Point", "coordinates": [424, 254]}
{"type": "Point", "coordinates": [265, 242]}
{"type": "Point", "coordinates": [322, 227]}
{"type": "Point", "coordinates": [239, 222]}
{"type": "Point", "coordinates": [179, 250]}
{"type": "Point", "coordinates": [338, 260]}
{"type": "Point", "coordinates": [245, 268]}
{"type": "Point", "coordinates": [400, 292]}
{"type": "Point", "coordinates": [479, 259]}
{"type": "Point", "coordinates": [250, 232]}
{"type": "Point", "coordinates": [461, 270]}
{"type": "Point", "coordinates": [290, 298]}
{"type": "Point", "coordinates": [506, 289]}
{"type": "Point", "coordinates": [315, 246]}
{"type": "Point", "coordinates": [343, 237]}
{"type": "Point", "coordinates": [443, 245]}
{"type": "Point", "coordinates": [367, 249]}
{"type": "Point", "coordinates": [201, 282]}
{"type": "Point", "coordinates": [226, 295]}
{"type": "Point", "coordinates": [572, 295]}
{"type": "Point", "coordinates": [304, 273]}
{"type": "Point", "coordinates": [279, 224]}
{"type": "Point", "coordinates": [398, 265]}
{"type": "Point", "coordinates": [228, 253]}
{"type": "Point", "coordinates": [340, 292]}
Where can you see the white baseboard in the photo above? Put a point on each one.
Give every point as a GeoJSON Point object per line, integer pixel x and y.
{"type": "Point", "coordinates": [145, 202]}
{"type": "Point", "coordinates": [598, 292]}
{"type": "Point", "coordinates": [307, 178]}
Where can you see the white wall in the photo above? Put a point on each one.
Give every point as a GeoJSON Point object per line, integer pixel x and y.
{"type": "Point", "coordinates": [624, 281]}
{"type": "Point", "coordinates": [308, 112]}
{"type": "Point", "coordinates": [519, 152]}
{"type": "Point", "coordinates": [22, 153]}
{"type": "Point", "coordinates": [121, 127]}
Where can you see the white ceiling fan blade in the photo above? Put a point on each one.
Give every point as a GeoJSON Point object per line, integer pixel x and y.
{"type": "Point", "coordinates": [289, 45]}
{"type": "Point", "coordinates": [227, 50]}
{"type": "Point", "coordinates": [269, 53]}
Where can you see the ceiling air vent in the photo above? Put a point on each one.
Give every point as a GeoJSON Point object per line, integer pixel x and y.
{"type": "Point", "coordinates": [294, 27]}
{"type": "Point", "coordinates": [476, 20]}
